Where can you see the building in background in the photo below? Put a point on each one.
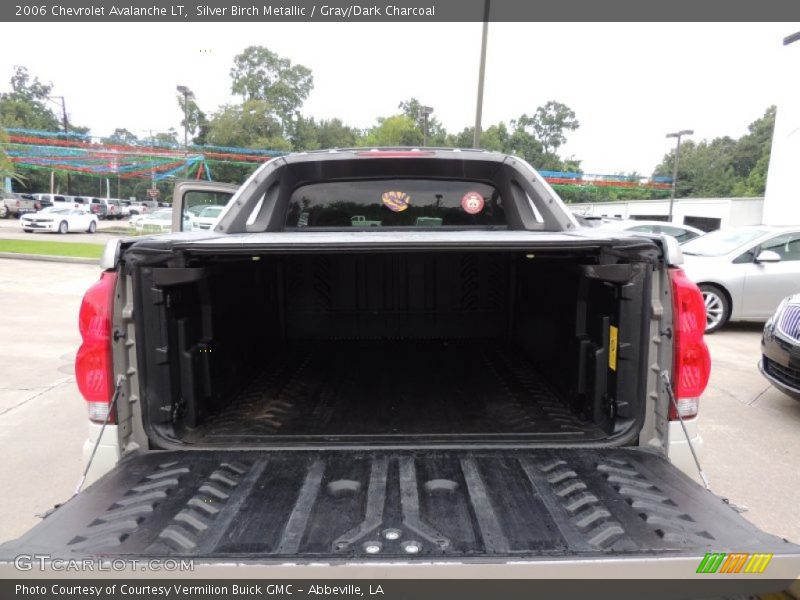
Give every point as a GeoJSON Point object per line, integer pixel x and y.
{"type": "Point", "coordinates": [707, 214]}
{"type": "Point", "coordinates": [782, 196]}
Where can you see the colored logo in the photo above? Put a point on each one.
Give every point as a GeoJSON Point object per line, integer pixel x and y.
{"type": "Point", "coordinates": [396, 201]}
{"type": "Point", "coordinates": [472, 203]}
{"type": "Point", "coordinates": [720, 562]}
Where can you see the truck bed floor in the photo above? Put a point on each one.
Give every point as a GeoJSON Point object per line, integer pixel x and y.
{"type": "Point", "coordinates": [429, 390]}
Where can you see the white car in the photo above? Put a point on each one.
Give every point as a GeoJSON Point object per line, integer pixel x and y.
{"type": "Point", "coordinates": [207, 218]}
{"type": "Point", "coordinates": [744, 272]}
{"type": "Point", "coordinates": [682, 233]}
{"type": "Point", "coordinates": [61, 220]}
{"type": "Point", "coordinates": [159, 221]}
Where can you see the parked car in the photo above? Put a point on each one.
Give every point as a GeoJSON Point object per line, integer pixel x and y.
{"type": "Point", "coordinates": [44, 200]}
{"type": "Point", "coordinates": [682, 233]}
{"type": "Point", "coordinates": [744, 272]}
{"type": "Point", "coordinates": [492, 394]}
{"type": "Point", "coordinates": [780, 348]}
{"type": "Point", "coordinates": [56, 200]}
{"type": "Point", "coordinates": [207, 217]}
{"type": "Point", "coordinates": [105, 208]}
{"type": "Point", "coordinates": [141, 207]}
{"type": "Point", "coordinates": [159, 221]}
{"type": "Point", "coordinates": [82, 202]}
{"type": "Point", "coordinates": [123, 208]}
{"type": "Point", "coordinates": [61, 220]}
{"type": "Point", "coordinates": [14, 205]}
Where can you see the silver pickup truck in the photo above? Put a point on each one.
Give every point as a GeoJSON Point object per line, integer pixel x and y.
{"type": "Point", "coordinates": [14, 205]}
{"type": "Point", "coordinates": [502, 393]}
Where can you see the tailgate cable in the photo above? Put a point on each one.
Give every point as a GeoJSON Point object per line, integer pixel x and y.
{"type": "Point", "coordinates": [111, 406]}
{"type": "Point", "coordinates": [674, 402]}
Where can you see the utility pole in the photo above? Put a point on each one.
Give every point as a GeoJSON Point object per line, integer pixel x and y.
{"type": "Point", "coordinates": [426, 112]}
{"type": "Point", "coordinates": [677, 134]}
{"type": "Point", "coordinates": [476, 141]}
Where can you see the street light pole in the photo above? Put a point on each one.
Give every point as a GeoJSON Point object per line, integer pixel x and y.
{"type": "Point", "coordinates": [426, 112]}
{"type": "Point", "coordinates": [186, 93]}
{"type": "Point", "coordinates": [476, 140]}
{"type": "Point", "coordinates": [677, 134]}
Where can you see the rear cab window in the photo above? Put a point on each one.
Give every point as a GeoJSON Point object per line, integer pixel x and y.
{"type": "Point", "coordinates": [395, 203]}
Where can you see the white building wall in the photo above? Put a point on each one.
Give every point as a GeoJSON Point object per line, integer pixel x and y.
{"type": "Point", "coordinates": [782, 198]}
{"type": "Point", "coordinates": [732, 212]}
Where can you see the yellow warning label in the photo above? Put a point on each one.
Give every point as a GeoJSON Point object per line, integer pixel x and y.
{"type": "Point", "coordinates": [612, 350]}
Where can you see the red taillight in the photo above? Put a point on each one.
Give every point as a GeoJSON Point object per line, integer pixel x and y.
{"type": "Point", "coordinates": [93, 368]}
{"type": "Point", "coordinates": [692, 362]}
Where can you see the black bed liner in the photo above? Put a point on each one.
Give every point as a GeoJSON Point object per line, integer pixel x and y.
{"type": "Point", "coordinates": [428, 390]}
{"type": "Point", "coordinates": [444, 505]}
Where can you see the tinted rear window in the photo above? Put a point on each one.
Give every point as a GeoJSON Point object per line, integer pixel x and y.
{"type": "Point", "coordinates": [418, 203]}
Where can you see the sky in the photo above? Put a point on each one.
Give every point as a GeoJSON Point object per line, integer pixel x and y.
{"type": "Point", "coordinates": [629, 83]}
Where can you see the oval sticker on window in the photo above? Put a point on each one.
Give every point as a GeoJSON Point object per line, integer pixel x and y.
{"type": "Point", "coordinates": [472, 203]}
{"type": "Point", "coordinates": [396, 201]}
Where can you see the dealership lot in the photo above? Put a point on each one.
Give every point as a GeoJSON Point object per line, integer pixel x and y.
{"type": "Point", "coordinates": [750, 429]}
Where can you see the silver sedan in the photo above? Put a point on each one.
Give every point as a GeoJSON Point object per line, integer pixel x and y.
{"type": "Point", "coordinates": [744, 272]}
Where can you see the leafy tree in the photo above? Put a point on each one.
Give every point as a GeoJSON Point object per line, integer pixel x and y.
{"type": "Point", "coordinates": [463, 139]}
{"type": "Point", "coordinates": [7, 168]}
{"type": "Point", "coordinates": [724, 166]}
{"type": "Point", "coordinates": [195, 118]}
{"type": "Point", "coordinates": [121, 136]}
{"type": "Point", "coordinates": [335, 134]}
{"type": "Point", "coordinates": [398, 130]}
{"type": "Point", "coordinates": [24, 107]}
{"type": "Point", "coordinates": [25, 87]}
{"type": "Point", "coordinates": [550, 124]}
{"type": "Point", "coordinates": [412, 108]}
{"type": "Point", "coordinates": [260, 74]}
{"type": "Point", "coordinates": [304, 134]}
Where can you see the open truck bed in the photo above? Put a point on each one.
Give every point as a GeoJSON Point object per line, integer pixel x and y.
{"type": "Point", "coordinates": [400, 505]}
{"type": "Point", "coordinates": [292, 391]}
{"type": "Point", "coordinates": [432, 390]}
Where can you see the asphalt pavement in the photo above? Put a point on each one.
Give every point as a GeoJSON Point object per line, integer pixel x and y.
{"type": "Point", "coordinates": [750, 429]}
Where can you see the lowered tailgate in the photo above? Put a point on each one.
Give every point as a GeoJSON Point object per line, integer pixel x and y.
{"type": "Point", "coordinates": [442, 505]}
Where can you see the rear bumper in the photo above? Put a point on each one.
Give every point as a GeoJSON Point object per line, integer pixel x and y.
{"type": "Point", "coordinates": [678, 450]}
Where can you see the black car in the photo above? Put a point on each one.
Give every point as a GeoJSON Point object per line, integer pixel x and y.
{"type": "Point", "coordinates": [780, 348]}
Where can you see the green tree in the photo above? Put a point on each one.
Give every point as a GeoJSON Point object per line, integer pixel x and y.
{"type": "Point", "coordinates": [412, 108]}
{"type": "Point", "coordinates": [121, 136]}
{"type": "Point", "coordinates": [260, 74]}
{"type": "Point", "coordinates": [550, 124]}
{"type": "Point", "coordinates": [7, 168]}
{"type": "Point", "coordinates": [304, 134]}
{"type": "Point", "coordinates": [249, 125]}
{"type": "Point", "coordinates": [463, 139]}
{"type": "Point", "coordinates": [724, 166]}
{"type": "Point", "coordinates": [397, 130]}
{"type": "Point", "coordinates": [194, 119]}
{"type": "Point", "coordinates": [25, 106]}
{"type": "Point", "coordinates": [335, 134]}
